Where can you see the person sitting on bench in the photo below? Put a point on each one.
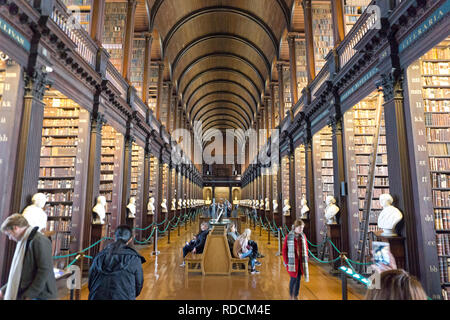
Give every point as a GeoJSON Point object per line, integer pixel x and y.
{"type": "Point", "coordinates": [197, 244]}
{"type": "Point", "coordinates": [241, 249]}
{"type": "Point", "coordinates": [232, 235]}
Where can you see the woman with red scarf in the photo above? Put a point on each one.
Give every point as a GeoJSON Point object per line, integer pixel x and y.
{"type": "Point", "coordinates": [295, 257]}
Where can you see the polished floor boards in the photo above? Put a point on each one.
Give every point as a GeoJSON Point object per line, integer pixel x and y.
{"type": "Point", "coordinates": [166, 280]}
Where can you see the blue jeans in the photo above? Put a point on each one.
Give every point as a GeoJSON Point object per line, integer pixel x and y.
{"type": "Point", "coordinates": [249, 255]}
{"type": "Point", "coordinates": [294, 285]}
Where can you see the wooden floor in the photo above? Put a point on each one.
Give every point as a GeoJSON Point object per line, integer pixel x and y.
{"type": "Point", "coordinates": [166, 280]}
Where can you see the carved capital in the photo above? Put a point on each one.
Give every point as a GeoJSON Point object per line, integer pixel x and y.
{"type": "Point", "coordinates": [36, 84]}
{"type": "Point", "coordinates": [392, 84]}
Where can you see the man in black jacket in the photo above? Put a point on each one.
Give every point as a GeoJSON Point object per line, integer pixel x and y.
{"type": "Point", "coordinates": [31, 275]}
{"type": "Point", "coordinates": [197, 244]}
{"type": "Point", "coordinates": [116, 272]}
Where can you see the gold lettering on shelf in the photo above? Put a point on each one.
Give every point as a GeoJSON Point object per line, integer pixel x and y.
{"type": "Point", "coordinates": [3, 138]}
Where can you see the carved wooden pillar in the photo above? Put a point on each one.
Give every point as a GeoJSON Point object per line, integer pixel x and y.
{"type": "Point", "coordinates": [147, 64]}
{"type": "Point", "coordinates": [128, 41]}
{"type": "Point", "coordinates": [310, 63]}
{"type": "Point", "coordinates": [293, 67]}
{"type": "Point", "coordinates": [169, 105]}
{"type": "Point", "coordinates": [126, 178]}
{"type": "Point", "coordinates": [145, 188]}
{"type": "Point", "coordinates": [159, 91]}
{"type": "Point", "coordinates": [337, 8]}
{"type": "Point", "coordinates": [97, 20]}
{"type": "Point", "coordinates": [280, 92]}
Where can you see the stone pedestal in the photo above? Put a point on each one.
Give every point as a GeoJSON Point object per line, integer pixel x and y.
{"type": "Point", "coordinates": [334, 234]}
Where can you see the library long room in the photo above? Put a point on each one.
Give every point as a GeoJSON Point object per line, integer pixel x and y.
{"type": "Point", "coordinates": [224, 150]}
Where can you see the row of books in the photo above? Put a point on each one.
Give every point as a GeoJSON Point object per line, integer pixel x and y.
{"type": "Point", "coordinates": [58, 151]}
{"type": "Point", "coordinates": [59, 123]}
{"type": "Point", "coordinates": [55, 184]}
{"type": "Point", "coordinates": [440, 180]}
{"type": "Point", "coordinates": [442, 219]}
{"type": "Point", "coordinates": [436, 93]}
{"type": "Point", "coordinates": [69, 161]}
{"type": "Point", "coordinates": [436, 105]}
{"type": "Point", "coordinates": [437, 54]}
{"type": "Point", "coordinates": [60, 210]}
{"type": "Point", "coordinates": [379, 181]}
{"type": "Point", "coordinates": [376, 193]}
{"type": "Point", "coordinates": [375, 204]}
{"type": "Point", "coordinates": [443, 244]}
{"type": "Point", "coordinates": [441, 198]}
{"type": "Point", "coordinates": [438, 135]}
{"type": "Point", "coordinates": [59, 225]}
{"type": "Point", "coordinates": [106, 186]}
{"type": "Point", "coordinates": [107, 177]}
{"type": "Point", "coordinates": [439, 164]}
{"type": "Point", "coordinates": [435, 68]}
{"type": "Point", "coordinates": [379, 170]}
{"type": "Point", "coordinates": [57, 172]}
{"type": "Point", "coordinates": [369, 140]}
{"type": "Point", "coordinates": [59, 196]}
{"type": "Point", "coordinates": [444, 269]}
{"type": "Point", "coordinates": [436, 81]}
{"type": "Point", "coordinates": [437, 149]}
{"type": "Point", "coordinates": [58, 141]}
{"type": "Point", "coordinates": [67, 131]}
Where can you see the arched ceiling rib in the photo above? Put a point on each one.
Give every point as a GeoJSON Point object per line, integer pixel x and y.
{"type": "Point", "coordinates": [219, 53]}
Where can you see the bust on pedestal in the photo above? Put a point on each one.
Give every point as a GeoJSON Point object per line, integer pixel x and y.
{"type": "Point", "coordinates": [99, 211]}
{"type": "Point", "coordinates": [389, 217]}
{"type": "Point", "coordinates": [34, 213]}
{"type": "Point", "coordinates": [304, 208]}
{"type": "Point", "coordinates": [151, 206]}
{"type": "Point", "coordinates": [267, 204]}
{"type": "Point", "coordinates": [286, 208]}
{"type": "Point", "coordinates": [180, 202]}
{"type": "Point", "coordinates": [164, 206]}
{"type": "Point", "coordinates": [131, 208]}
{"type": "Point", "coordinates": [331, 210]}
{"type": "Point", "coordinates": [275, 205]}
{"type": "Point", "coordinates": [174, 204]}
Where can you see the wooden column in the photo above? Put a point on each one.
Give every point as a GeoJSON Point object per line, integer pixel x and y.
{"type": "Point", "coordinates": [159, 91]}
{"type": "Point", "coordinates": [147, 64]}
{"type": "Point", "coordinates": [292, 199]}
{"type": "Point", "coordinates": [128, 41]}
{"type": "Point", "coordinates": [97, 20]}
{"type": "Point", "coordinates": [175, 113]}
{"type": "Point", "coordinates": [159, 187]}
{"type": "Point", "coordinates": [280, 93]}
{"type": "Point", "coordinates": [169, 105]}
{"type": "Point", "coordinates": [310, 197]}
{"type": "Point", "coordinates": [337, 9]}
{"type": "Point", "coordinates": [293, 67]}
{"type": "Point", "coordinates": [339, 174]}
{"type": "Point", "coordinates": [310, 60]}
{"type": "Point", "coordinates": [145, 188]}
{"type": "Point", "coordinates": [126, 178]}
{"type": "Point", "coordinates": [93, 175]}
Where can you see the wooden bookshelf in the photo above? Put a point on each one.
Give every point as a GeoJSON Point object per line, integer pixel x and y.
{"type": "Point", "coordinates": [322, 26]}
{"type": "Point", "coordinates": [81, 9]}
{"type": "Point", "coordinates": [353, 9]}
{"type": "Point", "coordinates": [300, 59]}
{"type": "Point", "coordinates": [429, 92]}
{"type": "Point", "coordinates": [153, 87]}
{"type": "Point", "coordinates": [323, 176]}
{"type": "Point", "coordinates": [277, 105]}
{"type": "Point", "coordinates": [359, 134]}
{"type": "Point", "coordinates": [285, 172]}
{"type": "Point", "coordinates": [137, 65]}
{"type": "Point", "coordinates": [109, 175]}
{"type": "Point", "coordinates": [300, 177]}
{"type": "Point", "coordinates": [287, 89]}
{"type": "Point", "coordinates": [137, 177]}
{"type": "Point", "coordinates": [59, 171]}
{"type": "Point", "coordinates": [114, 31]}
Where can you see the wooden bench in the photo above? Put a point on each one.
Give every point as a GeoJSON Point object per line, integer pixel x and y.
{"type": "Point", "coordinates": [193, 262]}
{"type": "Point", "coordinates": [216, 258]}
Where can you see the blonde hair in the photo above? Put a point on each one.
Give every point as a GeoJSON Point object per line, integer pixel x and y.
{"type": "Point", "coordinates": [397, 285]}
{"type": "Point", "coordinates": [246, 234]}
{"type": "Point", "coordinates": [14, 220]}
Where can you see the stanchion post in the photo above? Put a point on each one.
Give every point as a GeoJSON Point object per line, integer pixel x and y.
{"type": "Point", "coordinates": [260, 229]}
{"type": "Point", "coordinates": [78, 291]}
{"type": "Point", "coordinates": [155, 242]}
{"type": "Point", "coordinates": [279, 243]}
{"type": "Point", "coordinates": [268, 234]}
{"type": "Point", "coordinates": [344, 278]}
{"type": "Point", "coordinates": [168, 235]}
{"type": "Point", "coordinates": [179, 221]}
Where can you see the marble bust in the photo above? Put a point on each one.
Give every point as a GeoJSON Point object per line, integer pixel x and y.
{"type": "Point", "coordinates": [331, 210]}
{"type": "Point", "coordinates": [151, 206]}
{"type": "Point", "coordinates": [184, 203]}
{"type": "Point", "coordinates": [275, 205]}
{"type": "Point", "coordinates": [180, 201]}
{"type": "Point", "coordinates": [389, 217]}
{"type": "Point", "coordinates": [164, 206]}
{"type": "Point", "coordinates": [286, 208]}
{"type": "Point", "coordinates": [304, 208]}
{"type": "Point", "coordinates": [261, 204]}
{"type": "Point", "coordinates": [99, 211]}
{"type": "Point", "coordinates": [131, 208]}
{"type": "Point", "coordinates": [35, 213]}
{"type": "Point", "coordinates": [174, 204]}
{"type": "Point", "coordinates": [267, 204]}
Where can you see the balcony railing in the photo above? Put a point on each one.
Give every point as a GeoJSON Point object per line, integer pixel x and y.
{"type": "Point", "coordinates": [85, 46]}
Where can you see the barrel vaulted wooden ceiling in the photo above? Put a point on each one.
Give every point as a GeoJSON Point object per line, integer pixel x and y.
{"type": "Point", "coordinates": [220, 54]}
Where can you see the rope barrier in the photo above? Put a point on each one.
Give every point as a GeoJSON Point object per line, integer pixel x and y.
{"type": "Point", "coordinates": [334, 246]}
{"type": "Point", "coordinates": [317, 245]}
{"type": "Point", "coordinates": [331, 261]}
{"type": "Point", "coordinates": [146, 240]}
{"type": "Point", "coordinates": [84, 250]}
